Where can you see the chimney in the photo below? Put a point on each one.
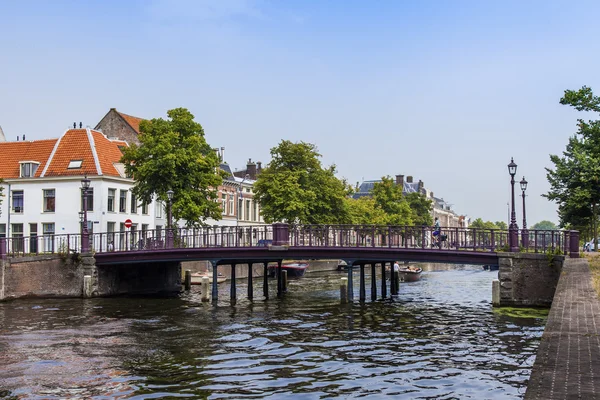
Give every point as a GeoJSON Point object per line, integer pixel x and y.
{"type": "Point", "coordinates": [409, 179]}
{"type": "Point", "coordinates": [259, 167]}
{"type": "Point", "coordinates": [222, 154]}
{"type": "Point", "coordinates": [2, 137]}
{"type": "Point", "coordinates": [251, 169]}
{"type": "Point", "coordinates": [23, 137]}
{"type": "Point", "coordinates": [400, 180]}
{"type": "Point", "coordinates": [420, 186]}
{"type": "Point", "coordinates": [74, 125]}
{"type": "Point", "coordinates": [80, 125]}
{"type": "Point", "coordinates": [431, 194]}
{"type": "Point", "coordinates": [17, 138]}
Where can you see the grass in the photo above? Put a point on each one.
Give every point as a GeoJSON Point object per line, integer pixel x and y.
{"type": "Point", "coordinates": [594, 261]}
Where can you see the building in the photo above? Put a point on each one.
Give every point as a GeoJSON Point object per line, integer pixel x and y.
{"type": "Point", "coordinates": [440, 209]}
{"type": "Point", "coordinates": [116, 125]}
{"type": "Point", "coordinates": [42, 187]}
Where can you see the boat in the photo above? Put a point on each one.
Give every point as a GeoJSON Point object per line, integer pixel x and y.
{"type": "Point", "coordinates": [410, 274]}
{"type": "Point", "coordinates": [491, 267]}
{"type": "Point", "coordinates": [197, 278]}
{"type": "Point", "coordinates": [294, 270]}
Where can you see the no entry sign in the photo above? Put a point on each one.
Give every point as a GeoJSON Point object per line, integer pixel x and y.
{"type": "Point", "coordinates": [128, 223]}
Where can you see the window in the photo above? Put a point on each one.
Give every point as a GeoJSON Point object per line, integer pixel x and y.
{"type": "Point", "coordinates": [74, 164]}
{"type": "Point", "coordinates": [17, 234]}
{"type": "Point", "coordinates": [239, 209]}
{"type": "Point", "coordinates": [49, 200]}
{"type": "Point", "coordinates": [33, 243]}
{"type": "Point", "coordinates": [254, 211]}
{"type": "Point", "coordinates": [2, 230]}
{"type": "Point", "coordinates": [110, 227]}
{"type": "Point", "coordinates": [17, 201]}
{"type": "Point", "coordinates": [123, 201]}
{"type": "Point", "coordinates": [231, 210]}
{"type": "Point", "coordinates": [48, 230]}
{"type": "Point", "coordinates": [90, 199]}
{"type": "Point", "coordinates": [110, 236]}
{"type": "Point", "coordinates": [144, 208]}
{"type": "Point", "coordinates": [160, 207]}
{"type": "Point", "coordinates": [224, 203]}
{"type": "Point", "coordinates": [134, 206]}
{"type": "Point", "coordinates": [28, 168]}
{"type": "Point", "coordinates": [247, 211]}
{"type": "Point", "coordinates": [111, 200]}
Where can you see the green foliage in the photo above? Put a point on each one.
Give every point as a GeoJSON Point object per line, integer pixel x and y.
{"type": "Point", "coordinates": [575, 178]}
{"type": "Point", "coordinates": [388, 197]}
{"type": "Point", "coordinates": [479, 223]}
{"type": "Point", "coordinates": [544, 226]}
{"type": "Point", "coordinates": [364, 211]}
{"type": "Point", "coordinates": [174, 155]}
{"type": "Point", "coordinates": [501, 224]}
{"type": "Point", "coordinates": [295, 188]}
{"type": "Point", "coordinates": [421, 208]}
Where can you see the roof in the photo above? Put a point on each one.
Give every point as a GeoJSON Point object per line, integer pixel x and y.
{"type": "Point", "coordinates": [132, 121]}
{"type": "Point", "coordinates": [366, 187]}
{"type": "Point", "coordinates": [13, 152]}
{"type": "Point", "coordinates": [98, 155]}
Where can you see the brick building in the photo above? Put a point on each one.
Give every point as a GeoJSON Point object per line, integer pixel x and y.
{"type": "Point", "coordinates": [121, 126]}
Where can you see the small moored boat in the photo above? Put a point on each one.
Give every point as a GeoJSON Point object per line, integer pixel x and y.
{"type": "Point", "coordinates": [410, 274]}
{"type": "Point", "coordinates": [294, 270]}
{"type": "Point", "coordinates": [197, 278]}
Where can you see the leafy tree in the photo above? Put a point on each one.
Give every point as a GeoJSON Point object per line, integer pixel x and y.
{"type": "Point", "coordinates": [421, 208]}
{"type": "Point", "coordinates": [295, 188]}
{"type": "Point", "coordinates": [364, 211]}
{"type": "Point", "coordinates": [501, 224]}
{"type": "Point", "coordinates": [388, 197]}
{"type": "Point", "coordinates": [544, 226]}
{"type": "Point", "coordinates": [575, 179]}
{"type": "Point", "coordinates": [173, 155]}
{"type": "Point", "coordinates": [479, 223]}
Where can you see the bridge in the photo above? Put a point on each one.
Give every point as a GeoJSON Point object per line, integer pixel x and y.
{"type": "Point", "coordinates": [357, 245]}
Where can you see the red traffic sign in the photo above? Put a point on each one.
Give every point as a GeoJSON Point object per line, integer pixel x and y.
{"type": "Point", "coordinates": [127, 223]}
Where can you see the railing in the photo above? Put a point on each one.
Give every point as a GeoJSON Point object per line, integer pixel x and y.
{"type": "Point", "coordinates": [375, 236]}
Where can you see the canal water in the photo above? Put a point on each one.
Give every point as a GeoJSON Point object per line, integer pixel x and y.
{"type": "Point", "coordinates": [439, 339]}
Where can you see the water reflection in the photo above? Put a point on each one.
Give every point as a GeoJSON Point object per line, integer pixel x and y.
{"type": "Point", "coordinates": [439, 339]}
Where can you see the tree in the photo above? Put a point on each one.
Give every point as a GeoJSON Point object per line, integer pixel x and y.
{"type": "Point", "coordinates": [501, 224]}
{"type": "Point", "coordinates": [173, 155]}
{"type": "Point", "coordinates": [421, 208]}
{"type": "Point", "coordinates": [575, 179]}
{"type": "Point", "coordinates": [544, 226]}
{"type": "Point", "coordinates": [295, 188]}
{"type": "Point", "coordinates": [480, 224]}
{"type": "Point", "coordinates": [364, 211]}
{"type": "Point", "coordinates": [388, 197]}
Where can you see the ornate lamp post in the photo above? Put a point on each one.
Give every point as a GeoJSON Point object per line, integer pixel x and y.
{"type": "Point", "coordinates": [169, 223]}
{"type": "Point", "coordinates": [513, 228]}
{"type": "Point", "coordinates": [524, 232]}
{"type": "Point", "coordinates": [85, 236]}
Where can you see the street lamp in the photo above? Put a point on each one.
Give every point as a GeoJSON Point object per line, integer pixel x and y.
{"type": "Point", "coordinates": [524, 232]}
{"type": "Point", "coordinates": [169, 223]}
{"type": "Point", "coordinates": [513, 228]}
{"type": "Point", "coordinates": [85, 236]}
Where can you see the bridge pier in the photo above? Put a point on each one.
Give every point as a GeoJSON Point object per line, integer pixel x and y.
{"type": "Point", "coordinates": [266, 280]}
{"type": "Point", "coordinates": [383, 286]}
{"type": "Point", "coordinates": [279, 279]}
{"type": "Point", "coordinates": [232, 288]}
{"type": "Point", "coordinates": [350, 284]}
{"type": "Point", "coordinates": [362, 283]}
{"type": "Point", "coordinates": [215, 288]}
{"type": "Point", "coordinates": [373, 283]}
{"type": "Point", "coordinates": [250, 287]}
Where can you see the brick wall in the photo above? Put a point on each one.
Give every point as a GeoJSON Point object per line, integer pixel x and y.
{"type": "Point", "coordinates": [113, 125]}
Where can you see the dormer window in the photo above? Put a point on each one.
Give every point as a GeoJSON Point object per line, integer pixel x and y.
{"type": "Point", "coordinates": [75, 164]}
{"type": "Point", "coordinates": [28, 168]}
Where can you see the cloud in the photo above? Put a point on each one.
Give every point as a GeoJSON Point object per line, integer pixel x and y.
{"type": "Point", "coordinates": [203, 10]}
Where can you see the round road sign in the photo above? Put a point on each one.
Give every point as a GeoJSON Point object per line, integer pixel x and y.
{"type": "Point", "coordinates": [127, 223]}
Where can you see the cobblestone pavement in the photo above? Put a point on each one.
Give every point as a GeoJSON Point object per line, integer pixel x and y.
{"type": "Point", "coordinates": [567, 365]}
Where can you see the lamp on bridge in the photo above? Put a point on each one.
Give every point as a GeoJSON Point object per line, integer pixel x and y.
{"type": "Point", "coordinates": [85, 236]}
{"type": "Point", "coordinates": [513, 228]}
{"type": "Point", "coordinates": [524, 232]}
{"type": "Point", "coordinates": [169, 223]}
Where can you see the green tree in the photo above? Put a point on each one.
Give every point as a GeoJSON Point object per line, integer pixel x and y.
{"type": "Point", "coordinates": [501, 224]}
{"type": "Point", "coordinates": [388, 197]}
{"type": "Point", "coordinates": [544, 226]}
{"type": "Point", "coordinates": [421, 208]}
{"type": "Point", "coordinates": [364, 211]}
{"type": "Point", "coordinates": [173, 155]}
{"type": "Point", "coordinates": [575, 178]}
{"type": "Point", "coordinates": [481, 224]}
{"type": "Point", "coordinates": [295, 187]}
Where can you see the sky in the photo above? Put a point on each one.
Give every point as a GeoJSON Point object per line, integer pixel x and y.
{"type": "Point", "coordinates": [444, 91]}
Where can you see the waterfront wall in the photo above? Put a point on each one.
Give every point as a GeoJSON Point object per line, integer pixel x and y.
{"type": "Point", "coordinates": [528, 279]}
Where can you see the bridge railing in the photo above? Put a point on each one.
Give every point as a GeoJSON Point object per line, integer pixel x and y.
{"type": "Point", "coordinates": [378, 236]}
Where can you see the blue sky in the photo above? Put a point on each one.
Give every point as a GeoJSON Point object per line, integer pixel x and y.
{"type": "Point", "coordinates": [445, 91]}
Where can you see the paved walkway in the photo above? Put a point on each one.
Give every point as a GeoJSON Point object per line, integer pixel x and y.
{"type": "Point", "coordinates": [567, 365]}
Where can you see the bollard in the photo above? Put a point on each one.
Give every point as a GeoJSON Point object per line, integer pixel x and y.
{"type": "Point", "coordinates": [188, 279]}
{"type": "Point", "coordinates": [87, 286]}
{"type": "Point", "coordinates": [495, 292]}
{"type": "Point", "coordinates": [285, 281]}
{"type": "Point", "coordinates": [343, 290]}
{"type": "Point", "coordinates": [205, 291]}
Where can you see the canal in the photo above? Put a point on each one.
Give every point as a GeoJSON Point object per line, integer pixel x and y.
{"type": "Point", "coordinates": [439, 339]}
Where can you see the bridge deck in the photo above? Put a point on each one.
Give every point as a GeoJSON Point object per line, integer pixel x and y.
{"type": "Point", "coordinates": [567, 365]}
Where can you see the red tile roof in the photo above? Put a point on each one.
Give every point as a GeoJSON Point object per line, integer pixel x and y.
{"type": "Point", "coordinates": [13, 152]}
{"type": "Point", "coordinates": [54, 155]}
{"type": "Point", "coordinates": [134, 122]}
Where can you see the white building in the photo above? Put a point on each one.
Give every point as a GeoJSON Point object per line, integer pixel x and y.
{"type": "Point", "coordinates": [42, 188]}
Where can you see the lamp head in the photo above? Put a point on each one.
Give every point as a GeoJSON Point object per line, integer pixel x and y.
{"type": "Point", "coordinates": [523, 184]}
{"type": "Point", "coordinates": [80, 216]}
{"type": "Point", "coordinates": [512, 167]}
{"type": "Point", "coordinates": [170, 194]}
{"type": "Point", "coordinates": [85, 182]}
